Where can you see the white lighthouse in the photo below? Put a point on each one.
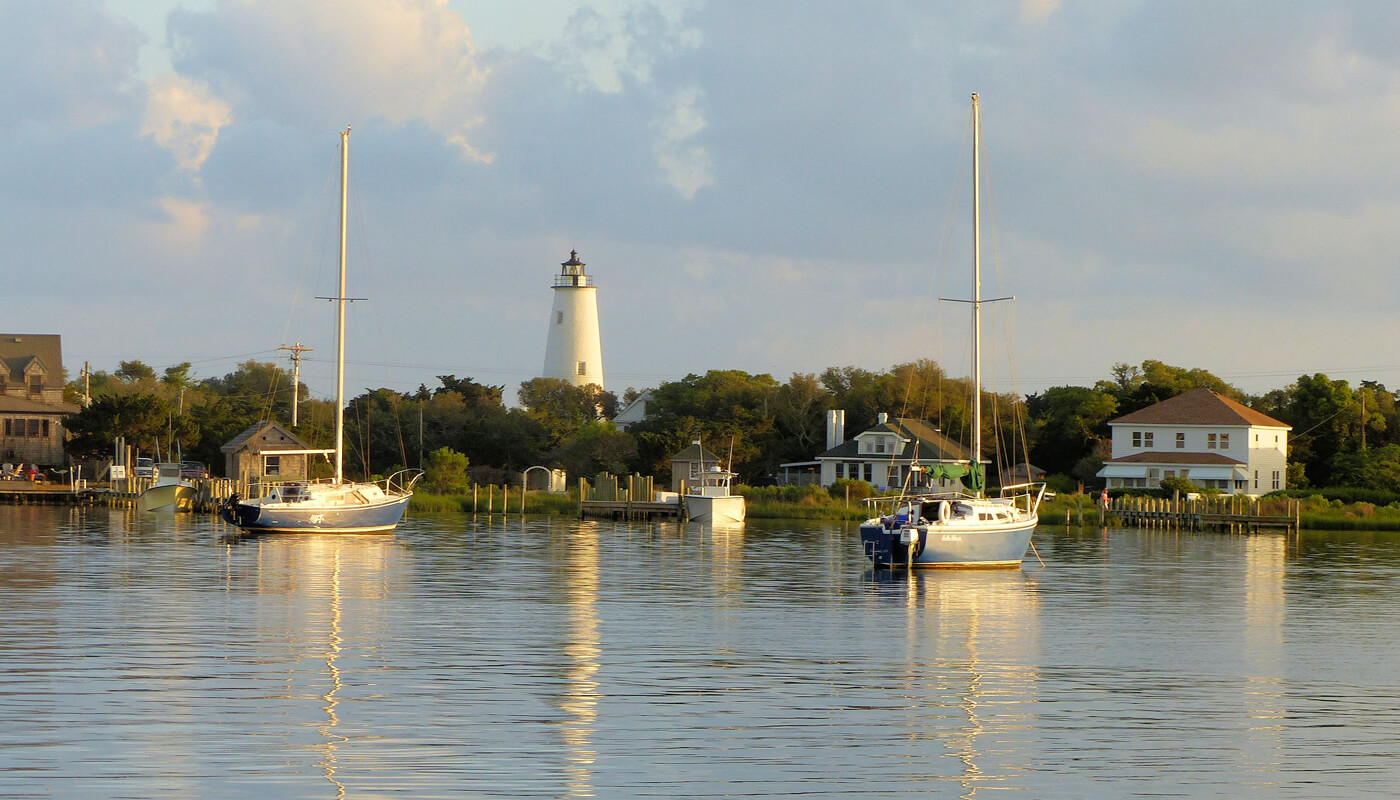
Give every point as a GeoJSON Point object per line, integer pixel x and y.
{"type": "Point", "coordinates": [574, 351]}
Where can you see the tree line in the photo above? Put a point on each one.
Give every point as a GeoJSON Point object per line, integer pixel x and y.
{"type": "Point", "coordinates": [1342, 435]}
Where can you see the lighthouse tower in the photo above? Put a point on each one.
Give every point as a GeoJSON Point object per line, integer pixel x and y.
{"type": "Point", "coordinates": [574, 351]}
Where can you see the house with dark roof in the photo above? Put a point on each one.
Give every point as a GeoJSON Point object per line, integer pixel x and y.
{"type": "Point", "coordinates": [267, 451]}
{"type": "Point", "coordinates": [1205, 437]}
{"type": "Point", "coordinates": [885, 454]}
{"type": "Point", "coordinates": [31, 399]}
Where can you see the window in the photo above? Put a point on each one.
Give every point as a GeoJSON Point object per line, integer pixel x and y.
{"type": "Point", "coordinates": [1210, 441]}
{"type": "Point", "coordinates": [893, 477]}
{"type": "Point", "coordinates": [1224, 441]}
{"type": "Point", "coordinates": [33, 427]}
{"type": "Point", "coordinates": [1275, 480]}
{"type": "Point", "coordinates": [1256, 479]}
{"type": "Point", "coordinates": [869, 473]}
{"type": "Point", "coordinates": [583, 367]}
{"type": "Point", "coordinates": [1170, 473]}
{"type": "Point", "coordinates": [879, 445]}
{"type": "Point", "coordinates": [559, 318]}
{"type": "Point", "coordinates": [840, 470]}
{"type": "Point", "coordinates": [1137, 438]}
{"type": "Point", "coordinates": [272, 466]}
{"type": "Point", "coordinates": [36, 384]}
{"type": "Point", "coordinates": [44, 428]}
{"type": "Point", "coordinates": [1153, 472]}
{"type": "Point", "coordinates": [1181, 441]}
{"type": "Point", "coordinates": [1147, 439]}
{"type": "Point", "coordinates": [8, 424]}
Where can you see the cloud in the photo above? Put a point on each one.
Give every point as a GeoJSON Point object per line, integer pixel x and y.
{"type": "Point", "coordinates": [67, 63]}
{"type": "Point", "coordinates": [315, 64]}
{"type": "Point", "coordinates": [184, 118]}
{"type": "Point", "coordinates": [685, 163]}
{"type": "Point", "coordinates": [1038, 12]}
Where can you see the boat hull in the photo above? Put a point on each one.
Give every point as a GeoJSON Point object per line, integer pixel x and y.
{"type": "Point", "coordinates": [701, 508]}
{"type": "Point", "coordinates": [379, 517]}
{"type": "Point", "coordinates": [167, 498]}
{"type": "Point", "coordinates": [949, 547]}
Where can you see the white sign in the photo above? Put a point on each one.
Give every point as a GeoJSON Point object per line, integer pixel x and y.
{"type": "Point", "coordinates": [118, 472]}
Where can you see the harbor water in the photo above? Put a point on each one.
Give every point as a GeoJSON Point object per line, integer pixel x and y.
{"type": "Point", "coordinates": [146, 656]}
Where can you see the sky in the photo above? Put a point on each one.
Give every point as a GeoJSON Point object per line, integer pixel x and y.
{"type": "Point", "coordinates": [776, 187]}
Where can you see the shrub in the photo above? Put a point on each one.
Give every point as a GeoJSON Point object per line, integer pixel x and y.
{"type": "Point", "coordinates": [859, 490]}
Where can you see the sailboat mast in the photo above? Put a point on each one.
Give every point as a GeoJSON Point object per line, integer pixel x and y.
{"type": "Point", "coordinates": [340, 310]}
{"type": "Point", "coordinates": [976, 283]}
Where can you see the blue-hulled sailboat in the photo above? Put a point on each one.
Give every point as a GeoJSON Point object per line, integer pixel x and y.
{"type": "Point", "coordinates": [967, 529]}
{"type": "Point", "coordinates": [337, 505]}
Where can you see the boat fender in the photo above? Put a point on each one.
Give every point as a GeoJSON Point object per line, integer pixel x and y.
{"type": "Point", "coordinates": [945, 512]}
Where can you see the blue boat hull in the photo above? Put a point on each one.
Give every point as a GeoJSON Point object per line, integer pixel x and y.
{"type": "Point", "coordinates": [377, 518]}
{"type": "Point", "coordinates": [1001, 547]}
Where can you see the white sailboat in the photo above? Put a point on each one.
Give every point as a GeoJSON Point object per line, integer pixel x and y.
{"type": "Point", "coordinates": [966, 529]}
{"type": "Point", "coordinates": [337, 505]}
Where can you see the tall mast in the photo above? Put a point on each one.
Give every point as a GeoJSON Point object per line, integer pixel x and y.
{"type": "Point", "coordinates": [976, 283]}
{"type": "Point", "coordinates": [340, 310]}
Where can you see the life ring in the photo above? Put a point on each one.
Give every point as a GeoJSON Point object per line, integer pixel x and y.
{"type": "Point", "coordinates": [945, 512]}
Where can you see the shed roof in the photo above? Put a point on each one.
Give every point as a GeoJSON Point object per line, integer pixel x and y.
{"type": "Point", "coordinates": [258, 429]}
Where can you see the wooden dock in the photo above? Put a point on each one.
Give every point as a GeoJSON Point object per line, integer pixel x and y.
{"type": "Point", "coordinates": [1231, 514]}
{"type": "Point", "coordinates": [611, 497]}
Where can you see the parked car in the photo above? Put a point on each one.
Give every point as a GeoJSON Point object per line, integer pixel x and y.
{"type": "Point", "coordinates": [145, 468]}
{"type": "Point", "coordinates": [193, 469]}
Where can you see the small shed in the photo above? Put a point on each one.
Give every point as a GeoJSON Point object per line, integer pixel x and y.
{"type": "Point", "coordinates": [1021, 473]}
{"type": "Point", "coordinates": [267, 451]}
{"type": "Point", "coordinates": [689, 463]}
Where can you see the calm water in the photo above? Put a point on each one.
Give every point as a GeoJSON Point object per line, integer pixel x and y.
{"type": "Point", "coordinates": [471, 657]}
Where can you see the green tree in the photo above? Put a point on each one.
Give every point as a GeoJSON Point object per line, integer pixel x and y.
{"type": "Point", "coordinates": [445, 471]}
{"type": "Point", "coordinates": [564, 409]}
{"type": "Point", "coordinates": [1069, 423]}
{"type": "Point", "coordinates": [145, 421]}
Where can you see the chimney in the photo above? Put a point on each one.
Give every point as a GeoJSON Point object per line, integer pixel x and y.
{"type": "Point", "coordinates": [882, 418]}
{"type": "Point", "coordinates": [835, 428]}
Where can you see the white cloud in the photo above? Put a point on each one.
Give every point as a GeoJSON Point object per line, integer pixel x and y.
{"type": "Point", "coordinates": [685, 164]}
{"type": "Point", "coordinates": [1037, 12]}
{"type": "Point", "coordinates": [184, 118]}
{"type": "Point", "coordinates": [318, 63]}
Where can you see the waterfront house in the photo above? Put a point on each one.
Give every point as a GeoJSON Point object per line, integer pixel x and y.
{"type": "Point", "coordinates": [1207, 438]}
{"type": "Point", "coordinates": [883, 455]}
{"type": "Point", "coordinates": [267, 451]}
{"type": "Point", "coordinates": [31, 399]}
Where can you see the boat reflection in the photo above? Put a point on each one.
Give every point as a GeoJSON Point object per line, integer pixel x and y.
{"type": "Point", "coordinates": [973, 649]}
{"type": "Point", "coordinates": [329, 581]}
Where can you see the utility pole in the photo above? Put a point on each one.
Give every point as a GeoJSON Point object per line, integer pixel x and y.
{"type": "Point", "coordinates": [87, 386]}
{"type": "Point", "coordinates": [296, 350]}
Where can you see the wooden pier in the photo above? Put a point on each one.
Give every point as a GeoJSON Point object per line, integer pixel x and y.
{"type": "Point", "coordinates": [1230, 513]}
{"type": "Point", "coordinates": [610, 497]}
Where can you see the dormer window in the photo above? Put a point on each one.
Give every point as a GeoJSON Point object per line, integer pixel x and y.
{"type": "Point", "coordinates": [36, 383]}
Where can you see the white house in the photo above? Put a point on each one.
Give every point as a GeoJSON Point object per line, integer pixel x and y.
{"type": "Point", "coordinates": [633, 412]}
{"type": "Point", "coordinates": [884, 455]}
{"type": "Point", "coordinates": [1207, 438]}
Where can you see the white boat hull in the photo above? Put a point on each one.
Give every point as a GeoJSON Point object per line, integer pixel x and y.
{"type": "Point", "coordinates": [701, 508]}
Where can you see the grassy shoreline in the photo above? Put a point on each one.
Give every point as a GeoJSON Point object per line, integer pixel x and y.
{"type": "Point", "coordinates": [1317, 513]}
